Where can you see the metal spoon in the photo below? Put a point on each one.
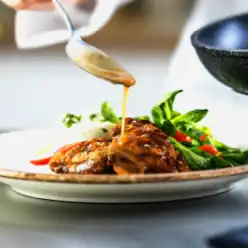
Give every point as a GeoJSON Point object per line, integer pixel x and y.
{"type": "Point", "coordinates": [90, 58]}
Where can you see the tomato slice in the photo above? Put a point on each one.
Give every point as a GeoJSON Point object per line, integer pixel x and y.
{"type": "Point", "coordinates": [209, 149]}
{"type": "Point", "coordinates": [41, 162]}
{"type": "Point", "coordinates": [182, 137]}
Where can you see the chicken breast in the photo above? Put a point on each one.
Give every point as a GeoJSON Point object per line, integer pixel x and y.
{"type": "Point", "coordinates": [144, 148]}
{"type": "Point", "coordinates": [88, 157]}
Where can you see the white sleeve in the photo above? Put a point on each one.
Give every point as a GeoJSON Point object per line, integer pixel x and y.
{"type": "Point", "coordinates": [34, 29]}
{"type": "Point", "coordinates": [201, 90]}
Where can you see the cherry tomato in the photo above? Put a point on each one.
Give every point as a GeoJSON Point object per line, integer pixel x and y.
{"type": "Point", "coordinates": [41, 162]}
{"type": "Point", "coordinates": [209, 149]}
{"type": "Point", "coordinates": [182, 137]}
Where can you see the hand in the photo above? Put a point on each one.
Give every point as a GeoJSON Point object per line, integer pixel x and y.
{"type": "Point", "coordinates": [38, 4]}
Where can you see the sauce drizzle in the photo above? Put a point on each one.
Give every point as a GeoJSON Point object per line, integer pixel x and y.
{"type": "Point", "coordinates": [124, 109]}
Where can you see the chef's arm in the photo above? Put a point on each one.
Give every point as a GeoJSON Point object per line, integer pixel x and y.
{"type": "Point", "coordinates": [37, 24]}
{"type": "Point", "coordinates": [47, 4]}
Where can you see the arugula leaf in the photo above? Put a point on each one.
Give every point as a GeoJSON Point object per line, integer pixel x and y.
{"type": "Point", "coordinates": [193, 143]}
{"type": "Point", "coordinates": [175, 114]}
{"type": "Point", "coordinates": [216, 162]}
{"type": "Point", "coordinates": [205, 130]}
{"type": "Point", "coordinates": [246, 154]}
{"type": "Point", "coordinates": [196, 132]}
{"type": "Point", "coordinates": [183, 126]}
{"type": "Point", "coordinates": [108, 113]}
{"type": "Point", "coordinates": [200, 152]}
{"type": "Point", "coordinates": [193, 116]}
{"type": "Point", "coordinates": [95, 117]}
{"type": "Point", "coordinates": [167, 105]}
{"type": "Point", "coordinates": [168, 128]}
{"type": "Point", "coordinates": [198, 162]}
{"type": "Point", "coordinates": [195, 161]}
{"type": "Point", "coordinates": [71, 119]}
{"type": "Point", "coordinates": [161, 122]}
{"type": "Point", "coordinates": [157, 116]}
{"type": "Point", "coordinates": [189, 129]}
{"type": "Point", "coordinates": [142, 118]}
{"type": "Point", "coordinates": [224, 148]}
{"type": "Point", "coordinates": [237, 158]}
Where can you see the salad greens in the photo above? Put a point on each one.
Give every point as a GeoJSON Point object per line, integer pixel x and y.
{"type": "Point", "coordinates": [193, 116]}
{"type": "Point", "coordinates": [193, 141]}
{"type": "Point", "coordinates": [106, 114]}
{"type": "Point", "coordinates": [142, 118]}
{"type": "Point", "coordinates": [71, 119]}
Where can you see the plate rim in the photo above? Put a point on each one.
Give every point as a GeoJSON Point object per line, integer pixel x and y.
{"type": "Point", "coordinates": [124, 179]}
{"type": "Point", "coordinates": [115, 179]}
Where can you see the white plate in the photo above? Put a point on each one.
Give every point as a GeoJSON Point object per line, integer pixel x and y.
{"type": "Point", "coordinates": [17, 148]}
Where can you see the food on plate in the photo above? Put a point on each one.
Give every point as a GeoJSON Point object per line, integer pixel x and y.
{"type": "Point", "coordinates": [164, 142]}
{"type": "Point", "coordinates": [87, 157]}
{"type": "Point", "coordinates": [143, 148]}
{"type": "Point", "coordinates": [71, 119]}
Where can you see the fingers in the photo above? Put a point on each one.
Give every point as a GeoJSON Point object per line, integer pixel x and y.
{"type": "Point", "coordinates": [29, 4]}
{"type": "Point", "coordinates": [41, 4]}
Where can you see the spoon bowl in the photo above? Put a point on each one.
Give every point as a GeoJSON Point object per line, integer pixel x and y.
{"type": "Point", "coordinates": [222, 47]}
{"type": "Point", "coordinates": [90, 58]}
{"type": "Point", "coordinates": [96, 62]}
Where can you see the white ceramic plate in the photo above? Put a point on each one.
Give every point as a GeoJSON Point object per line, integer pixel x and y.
{"type": "Point", "coordinates": [17, 148]}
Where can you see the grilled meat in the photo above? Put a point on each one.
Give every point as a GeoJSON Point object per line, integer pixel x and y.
{"type": "Point", "coordinates": [144, 148]}
{"type": "Point", "coordinates": [88, 157]}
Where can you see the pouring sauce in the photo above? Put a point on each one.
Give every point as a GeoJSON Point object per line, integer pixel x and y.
{"type": "Point", "coordinates": [124, 110]}
{"type": "Point", "coordinates": [101, 65]}
{"type": "Point", "coordinates": [127, 80]}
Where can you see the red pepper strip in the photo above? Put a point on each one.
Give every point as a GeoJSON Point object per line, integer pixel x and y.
{"type": "Point", "coordinates": [42, 161]}
{"type": "Point", "coordinates": [209, 149]}
{"type": "Point", "coordinates": [45, 161]}
{"type": "Point", "coordinates": [203, 137]}
{"type": "Point", "coordinates": [181, 137]}
{"type": "Point", "coordinates": [66, 148]}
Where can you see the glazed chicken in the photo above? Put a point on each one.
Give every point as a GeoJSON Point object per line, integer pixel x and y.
{"type": "Point", "coordinates": [87, 157]}
{"type": "Point", "coordinates": [143, 148]}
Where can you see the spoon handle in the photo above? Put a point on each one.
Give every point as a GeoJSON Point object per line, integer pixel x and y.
{"type": "Point", "coordinates": [64, 15]}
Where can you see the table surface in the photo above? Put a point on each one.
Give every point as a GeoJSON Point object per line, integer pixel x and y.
{"type": "Point", "coordinates": [37, 223]}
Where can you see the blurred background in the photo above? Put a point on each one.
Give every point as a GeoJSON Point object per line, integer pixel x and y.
{"type": "Point", "coordinates": [37, 87]}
